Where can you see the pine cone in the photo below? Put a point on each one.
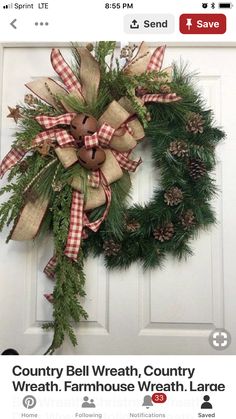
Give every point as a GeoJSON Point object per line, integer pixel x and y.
{"type": "Point", "coordinates": [165, 89]}
{"type": "Point", "coordinates": [89, 47]}
{"type": "Point", "coordinates": [23, 166]}
{"type": "Point", "coordinates": [141, 91]}
{"type": "Point", "coordinates": [148, 116]}
{"type": "Point", "coordinates": [197, 168]}
{"type": "Point", "coordinates": [30, 100]}
{"type": "Point", "coordinates": [57, 186]}
{"type": "Point", "coordinates": [188, 219]}
{"type": "Point", "coordinates": [45, 147]}
{"type": "Point", "coordinates": [127, 52]}
{"type": "Point", "coordinates": [133, 226]}
{"type": "Point", "coordinates": [195, 123]}
{"type": "Point", "coordinates": [111, 248]}
{"type": "Point", "coordinates": [173, 196]}
{"type": "Point", "coordinates": [178, 148]}
{"type": "Point", "coordinates": [164, 233]}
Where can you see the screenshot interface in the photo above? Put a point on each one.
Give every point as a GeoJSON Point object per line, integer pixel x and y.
{"type": "Point", "coordinates": [117, 209]}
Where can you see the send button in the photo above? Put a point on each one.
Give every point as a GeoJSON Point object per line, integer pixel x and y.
{"type": "Point", "coordinates": [153, 24]}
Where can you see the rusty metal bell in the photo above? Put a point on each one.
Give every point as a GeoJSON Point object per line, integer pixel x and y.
{"type": "Point", "coordinates": [91, 159]}
{"type": "Point", "coordinates": [83, 125]}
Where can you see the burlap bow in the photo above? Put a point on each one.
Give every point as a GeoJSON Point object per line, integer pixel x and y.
{"type": "Point", "coordinates": [78, 219]}
{"type": "Point", "coordinates": [118, 143]}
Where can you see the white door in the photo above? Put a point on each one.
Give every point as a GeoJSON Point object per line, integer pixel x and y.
{"type": "Point", "coordinates": [169, 311]}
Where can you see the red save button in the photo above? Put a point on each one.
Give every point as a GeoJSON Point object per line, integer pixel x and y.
{"type": "Point", "coordinates": [202, 24]}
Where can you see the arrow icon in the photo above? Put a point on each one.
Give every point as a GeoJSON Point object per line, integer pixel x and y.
{"type": "Point", "coordinates": [134, 24]}
{"type": "Point", "coordinates": [13, 23]}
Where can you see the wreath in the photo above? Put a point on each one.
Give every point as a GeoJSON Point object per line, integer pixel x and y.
{"type": "Point", "coordinates": [71, 159]}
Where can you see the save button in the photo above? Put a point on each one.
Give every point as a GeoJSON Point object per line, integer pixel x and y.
{"type": "Point", "coordinates": [206, 24]}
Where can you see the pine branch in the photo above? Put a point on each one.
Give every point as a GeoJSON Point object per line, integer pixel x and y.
{"type": "Point", "coordinates": [66, 306]}
{"type": "Point", "coordinates": [70, 278]}
{"type": "Point", "coordinates": [10, 209]}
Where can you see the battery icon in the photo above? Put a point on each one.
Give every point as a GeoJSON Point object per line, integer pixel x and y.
{"type": "Point", "coordinates": [225, 5]}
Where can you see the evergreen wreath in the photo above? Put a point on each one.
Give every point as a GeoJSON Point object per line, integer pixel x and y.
{"type": "Point", "coordinates": [71, 157]}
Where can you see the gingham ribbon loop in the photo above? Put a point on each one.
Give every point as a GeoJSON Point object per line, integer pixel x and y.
{"type": "Point", "coordinates": [48, 122]}
{"type": "Point", "coordinates": [125, 162]}
{"type": "Point", "coordinates": [102, 137]}
{"type": "Point", "coordinates": [91, 141]}
{"type": "Point", "coordinates": [105, 134]}
{"type": "Point", "coordinates": [156, 61]}
{"type": "Point", "coordinates": [11, 159]}
{"type": "Point", "coordinates": [64, 71]}
{"type": "Point", "coordinates": [62, 137]}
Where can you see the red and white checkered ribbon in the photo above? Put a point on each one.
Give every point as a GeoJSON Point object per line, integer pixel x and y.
{"type": "Point", "coordinates": [48, 122]}
{"type": "Point", "coordinates": [94, 178]}
{"type": "Point", "coordinates": [11, 159]}
{"type": "Point", "coordinates": [156, 61]}
{"type": "Point", "coordinates": [102, 137]}
{"type": "Point", "coordinates": [161, 98]}
{"type": "Point", "coordinates": [125, 162]}
{"type": "Point", "coordinates": [79, 220]}
{"type": "Point", "coordinates": [49, 269]}
{"type": "Point", "coordinates": [61, 136]}
{"type": "Point", "coordinates": [49, 298]}
{"type": "Point", "coordinates": [76, 225]}
{"type": "Point", "coordinates": [64, 71]}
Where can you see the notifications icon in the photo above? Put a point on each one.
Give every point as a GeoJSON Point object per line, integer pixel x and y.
{"type": "Point", "coordinates": [147, 402]}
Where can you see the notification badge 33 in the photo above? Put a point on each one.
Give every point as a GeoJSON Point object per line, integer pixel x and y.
{"type": "Point", "coordinates": [202, 24]}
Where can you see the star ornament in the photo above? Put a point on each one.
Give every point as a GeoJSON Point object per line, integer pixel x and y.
{"type": "Point", "coordinates": [14, 113]}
